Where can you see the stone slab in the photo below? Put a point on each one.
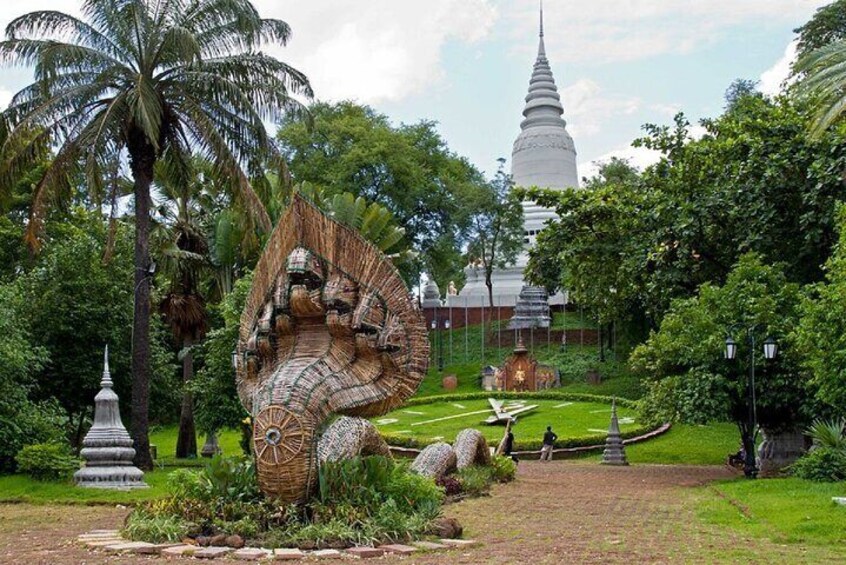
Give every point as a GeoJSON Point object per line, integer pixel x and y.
{"type": "Point", "coordinates": [287, 554]}
{"type": "Point", "coordinates": [841, 500]}
{"type": "Point", "coordinates": [99, 535]}
{"type": "Point", "coordinates": [127, 546]}
{"type": "Point", "coordinates": [398, 549]}
{"type": "Point", "coordinates": [104, 542]}
{"type": "Point", "coordinates": [429, 545]}
{"type": "Point", "coordinates": [212, 552]}
{"type": "Point", "coordinates": [104, 532]}
{"type": "Point", "coordinates": [326, 554]}
{"type": "Point", "coordinates": [366, 552]}
{"type": "Point", "coordinates": [155, 549]}
{"type": "Point", "coordinates": [180, 550]}
{"type": "Point", "coordinates": [251, 554]}
{"type": "Point", "coordinates": [459, 542]}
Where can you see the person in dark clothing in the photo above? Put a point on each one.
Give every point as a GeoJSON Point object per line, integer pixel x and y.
{"type": "Point", "coordinates": [508, 446]}
{"type": "Point", "coordinates": [548, 442]}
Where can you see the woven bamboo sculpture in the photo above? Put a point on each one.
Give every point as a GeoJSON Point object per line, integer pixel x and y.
{"type": "Point", "coordinates": [329, 328]}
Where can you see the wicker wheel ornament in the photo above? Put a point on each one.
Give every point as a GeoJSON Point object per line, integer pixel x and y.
{"type": "Point", "coordinates": [278, 435]}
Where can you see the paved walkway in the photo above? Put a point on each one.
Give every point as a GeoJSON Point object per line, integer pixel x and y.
{"type": "Point", "coordinates": [557, 512]}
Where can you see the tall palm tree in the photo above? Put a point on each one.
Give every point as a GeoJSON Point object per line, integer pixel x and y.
{"type": "Point", "coordinates": [144, 79]}
{"type": "Point", "coordinates": [181, 246]}
{"type": "Point", "coordinates": [823, 82]}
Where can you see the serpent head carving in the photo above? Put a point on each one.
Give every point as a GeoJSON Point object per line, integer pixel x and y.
{"type": "Point", "coordinates": [328, 328]}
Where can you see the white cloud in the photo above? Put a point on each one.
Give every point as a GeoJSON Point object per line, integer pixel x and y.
{"type": "Point", "coordinates": [5, 98]}
{"type": "Point", "coordinates": [602, 31]}
{"type": "Point", "coordinates": [379, 50]}
{"type": "Point", "coordinates": [371, 51]}
{"type": "Point", "coordinates": [587, 107]}
{"type": "Point", "coordinates": [639, 157]}
{"type": "Point", "coordinates": [773, 79]}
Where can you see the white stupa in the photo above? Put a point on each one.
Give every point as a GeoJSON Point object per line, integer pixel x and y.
{"type": "Point", "coordinates": [544, 156]}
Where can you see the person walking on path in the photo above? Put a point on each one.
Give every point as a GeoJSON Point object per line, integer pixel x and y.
{"type": "Point", "coordinates": [549, 438]}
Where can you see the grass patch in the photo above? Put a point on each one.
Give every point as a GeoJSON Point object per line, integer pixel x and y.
{"type": "Point", "coordinates": [443, 419]}
{"type": "Point", "coordinates": [571, 321]}
{"type": "Point", "coordinates": [686, 444]}
{"type": "Point", "coordinates": [20, 488]}
{"type": "Point", "coordinates": [164, 438]}
{"type": "Point", "coordinates": [786, 511]}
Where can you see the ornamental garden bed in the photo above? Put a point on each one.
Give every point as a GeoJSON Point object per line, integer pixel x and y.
{"type": "Point", "coordinates": [580, 420]}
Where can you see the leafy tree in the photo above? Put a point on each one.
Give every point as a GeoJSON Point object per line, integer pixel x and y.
{"type": "Point", "coordinates": [683, 360]}
{"type": "Point", "coordinates": [753, 182]}
{"type": "Point", "coordinates": [76, 304]}
{"type": "Point", "coordinates": [21, 420]}
{"type": "Point", "coordinates": [148, 79]}
{"type": "Point", "coordinates": [407, 169]}
{"type": "Point", "coordinates": [827, 26]}
{"type": "Point", "coordinates": [495, 232]}
{"type": "Point", "coordinates": [821, 335]}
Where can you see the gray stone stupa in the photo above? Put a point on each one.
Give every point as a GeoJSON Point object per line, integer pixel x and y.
{"type": "Point", "coordinates": [615, 452]}
{"type": "Point", "coordinates": [107, 447]}
{"type": "Point", "coordinates": [532, 310]}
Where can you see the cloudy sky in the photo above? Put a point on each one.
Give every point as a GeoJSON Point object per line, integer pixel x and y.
{"type": "Point", "coordinates": [466, 63]}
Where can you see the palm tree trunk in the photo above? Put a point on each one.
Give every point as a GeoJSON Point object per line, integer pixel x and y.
{"type": "Point", "coordinates": [186, 441]}
{"type": "Point", "coordinates": [142, 159]}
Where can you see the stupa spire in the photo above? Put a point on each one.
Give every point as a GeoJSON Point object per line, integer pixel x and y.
{"type": "Point", "coordinates": [541, 46]}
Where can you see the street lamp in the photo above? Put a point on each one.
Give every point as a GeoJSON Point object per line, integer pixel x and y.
{"type": "Point", "coordinates": [750, 468]}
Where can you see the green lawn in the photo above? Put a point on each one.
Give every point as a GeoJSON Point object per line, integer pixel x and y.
{"type": "Point", "coordinates": [164, 438]}
{"type": "Point", "coordinates": [782, 510]}
{"type": "Point", "coordinates": [444, 419]}
{"type": "Point", "coordinates": [571, 321]}
{"type": "Point", "coordinates": [20, 488]}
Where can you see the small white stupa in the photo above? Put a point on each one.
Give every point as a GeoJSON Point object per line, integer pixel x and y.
{"type": "Point", "coordinates": [107, 448]}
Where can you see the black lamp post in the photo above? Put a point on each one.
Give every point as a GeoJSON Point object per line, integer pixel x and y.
{"type": "Point", "coordinates": [750, 468]}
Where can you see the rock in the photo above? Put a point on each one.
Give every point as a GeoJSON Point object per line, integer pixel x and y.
{"type": "Point", "coordinates": [326, 554]}
{"type": "Point", "coordinates": [218, 541]}
{"type": "Point", "coordinates": [448, 528]}
{"type": "Point", "coordinates": [250, 554]}
{"type": "Point", "coordinates": [429, 545]}
{"type": "Point", "coordinates": [126, 546]}
{"type": "Point", "coordinates": [398, 549]}
{"type": "Point", "coordinates": [202, 541]}
{"type": "Point", "coordinates": [449, 382]}
{"type": "Point", "coordinates": [179, 550]}
{"type": "Point", "coordinates": [287, 554]}
{"type": "Point", "coordinates": [459, 542]}
{"type": "Point", "coordinates": [235, 541]}
{"type": "Point", "coordinates": [366, 552]}
{"type": "Point", "coordinates": [212, 552]}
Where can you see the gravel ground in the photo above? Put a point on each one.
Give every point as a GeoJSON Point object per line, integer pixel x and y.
{"type": "Point", "coordinates": [557, 512]}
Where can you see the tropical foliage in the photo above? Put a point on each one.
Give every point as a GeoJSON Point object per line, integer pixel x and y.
{"type": "Point", "coordinates": [151, 81]}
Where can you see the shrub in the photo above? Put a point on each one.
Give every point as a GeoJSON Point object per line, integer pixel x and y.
{"type": "Point", "coordinates": [475, 480]}
{"type": "Point", "coordinates": [47, 461]}
{"type": "Point", "coordinates": [450, 484]}
{"type": "Point", "coordinates": [503, 469]}
{"type": "Point", "coordinates": [828, 433]}
{"type": "Point", "coordinates": [821, 464]}
{"type": "Point", "coordinates": [156, 528]}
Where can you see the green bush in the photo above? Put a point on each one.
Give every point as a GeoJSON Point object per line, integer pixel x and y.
{"type": "Point", "coordinates": [828, 433]}
{"type": "Point", "coordinates": [821, 464]}
{"type": "Point", "coordinates": [503, 469]}
{"type": "Point", "coordinates": [156, 528]}
{"type": "Point", "coordinates": [47, 461]}
{"type": "Point", "coordinates": [475, 480]}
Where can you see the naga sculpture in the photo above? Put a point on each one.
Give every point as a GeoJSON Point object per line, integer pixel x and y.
{"type": "Point", "coordinates": [328, 328]}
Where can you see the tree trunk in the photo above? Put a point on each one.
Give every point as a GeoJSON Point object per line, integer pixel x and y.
{"type": "Point", "coordinates": [142, 159]}
{"type": "Point", "coordinates": [489, 284]}
{"type": "Point", "coordinates": [186, 441]}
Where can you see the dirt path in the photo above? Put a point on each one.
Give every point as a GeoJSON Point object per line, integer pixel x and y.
{"type": "Point", "coordinates": [559, 512]}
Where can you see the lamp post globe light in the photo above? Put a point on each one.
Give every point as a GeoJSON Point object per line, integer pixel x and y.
{"type": "Point", "coordinates": [750, 467]}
